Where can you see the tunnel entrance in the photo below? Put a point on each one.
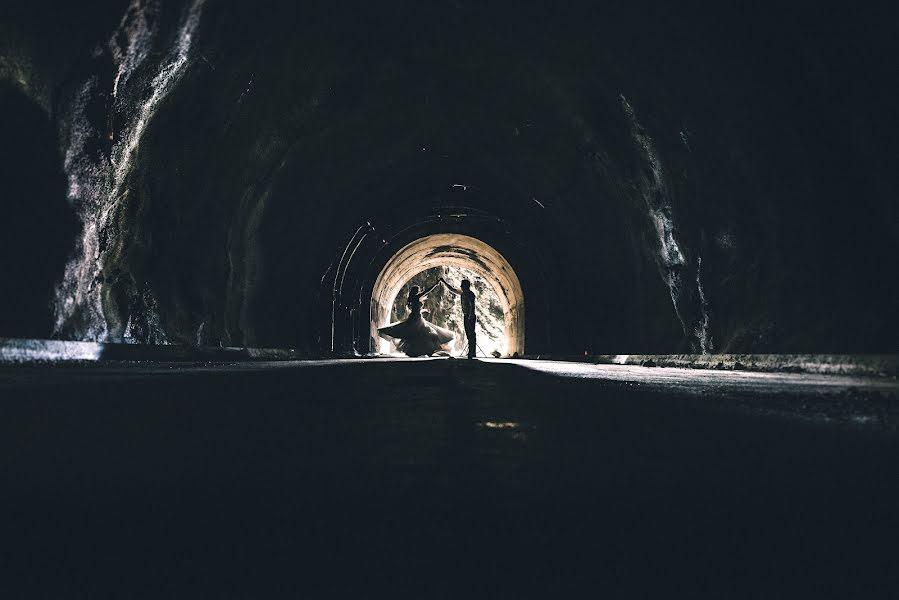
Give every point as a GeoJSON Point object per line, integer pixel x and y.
{"type": "Point", "coordinates": [447, 250]}
{"type": "Point", "coordinates": [444, 309]}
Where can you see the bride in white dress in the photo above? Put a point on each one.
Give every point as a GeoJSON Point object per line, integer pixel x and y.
{"type": "Point", "coordinates": [414, 335]}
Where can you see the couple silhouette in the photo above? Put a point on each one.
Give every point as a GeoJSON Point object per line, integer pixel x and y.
{"type": "Point", "coordinates": [417, 337]}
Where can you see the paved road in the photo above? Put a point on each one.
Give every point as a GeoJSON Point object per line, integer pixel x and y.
{"type": "Point", "coordinates": [445, 479]}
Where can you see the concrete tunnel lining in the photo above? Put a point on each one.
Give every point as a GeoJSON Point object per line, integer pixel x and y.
{"type": "Point", "coordinates": [451, 249]}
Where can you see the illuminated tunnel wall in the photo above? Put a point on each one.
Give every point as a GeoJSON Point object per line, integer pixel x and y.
{"type": "Point", "coordinates": [451, 250]}
{"type": "Point", "coordinates": [375, 260]}
{"type": "Point", "coordinates": [659, 180]}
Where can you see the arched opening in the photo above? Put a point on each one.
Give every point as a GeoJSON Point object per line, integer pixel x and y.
{"type": "Point", "coordinates": [451, 250]}
{"type": "Point", "coordinates": [443, 308]}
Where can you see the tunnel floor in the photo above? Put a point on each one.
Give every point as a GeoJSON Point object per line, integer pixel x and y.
{"type": "Point", "coordinates": [444, 479]}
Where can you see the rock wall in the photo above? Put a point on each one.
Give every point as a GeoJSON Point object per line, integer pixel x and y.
{"type": "Point", "coordinates": [692, 178]}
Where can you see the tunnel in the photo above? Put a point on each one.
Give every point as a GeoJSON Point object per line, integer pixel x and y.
{"type": "Point", "coordinates": [451, 250]}
{"type": "Point", "coordinates": [663, 187]}
{"type": "Point", "coordinates": [680, 220]}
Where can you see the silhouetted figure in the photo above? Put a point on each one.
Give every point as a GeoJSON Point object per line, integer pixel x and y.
{"type": "Point", "coordinates": [468, 314]}
{"type": "Point", "coordinates": [414, 335]}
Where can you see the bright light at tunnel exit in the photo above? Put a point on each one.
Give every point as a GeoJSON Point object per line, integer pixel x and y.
{"type": "Point", "coordinates": [500, 306]}
{"type": "Point", "coordinates": [443, 308]}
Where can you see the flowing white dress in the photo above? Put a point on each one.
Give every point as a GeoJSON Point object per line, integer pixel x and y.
{"type": "Point", "coordinates": [415, 336]}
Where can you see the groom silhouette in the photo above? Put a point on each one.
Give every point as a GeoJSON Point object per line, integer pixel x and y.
{"type": "Point", "coordinates": [468, 315]}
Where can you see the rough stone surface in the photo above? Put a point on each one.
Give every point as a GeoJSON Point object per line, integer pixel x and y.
{"type": "Point", "coordinates": [886, 365]}
{"type": "Point", "coordinates": [664, 178]}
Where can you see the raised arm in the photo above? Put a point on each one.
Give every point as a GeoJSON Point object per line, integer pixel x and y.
{"type": "Point", "coordinates": [433, 287]}
{"type": "Point", "coordinates": [456, 291]}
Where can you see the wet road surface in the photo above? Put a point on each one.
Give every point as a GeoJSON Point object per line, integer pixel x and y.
{"type": "Point", "coordinates": [445, 479]}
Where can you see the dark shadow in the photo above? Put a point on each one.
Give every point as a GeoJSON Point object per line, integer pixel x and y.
{"type": "Point", "coordinates": [39, 226]}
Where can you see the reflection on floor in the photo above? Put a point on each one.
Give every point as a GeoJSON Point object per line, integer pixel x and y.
{"type": "Point", "coordinates": [445, 478]}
